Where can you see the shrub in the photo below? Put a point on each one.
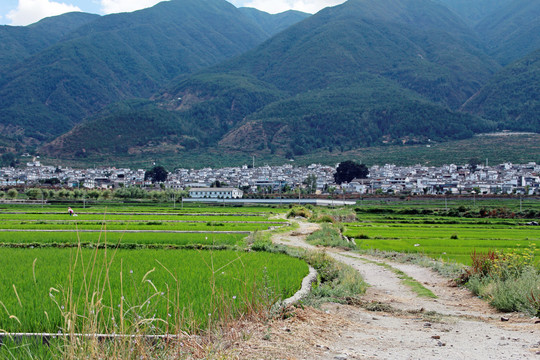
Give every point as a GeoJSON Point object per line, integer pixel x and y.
{"type": "Point", "coordinates": [329, 236]}
{"type": "Point", "coordinates": [299, 211]}
{"type": "Point", "coordinates": [326, 218]}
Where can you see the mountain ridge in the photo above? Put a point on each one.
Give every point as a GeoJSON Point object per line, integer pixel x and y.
{"type": "Point", "coordinates": [117, 57]}
{"type": "Point", "coordinates": [376, 76]}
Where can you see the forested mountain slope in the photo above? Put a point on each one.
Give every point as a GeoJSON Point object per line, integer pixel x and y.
{"type": "Point", "coordinates": [512, 97]}
{"type": "Point", "coordinates": [19, 42]}
{"type": "Point", "coordinates": [513, 31]}
{"type": "Point", "coordinates": [117, 57]}
{"type": "Point", "coordinates": [362, 73]}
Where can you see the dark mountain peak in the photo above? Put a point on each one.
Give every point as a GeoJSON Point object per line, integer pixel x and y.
{"type": "Point", "coordinates": [474, 11]}
{"type": "Point", "coordinates": [274, 23]}
{"type": "Point", "coordinates": [64, 22]}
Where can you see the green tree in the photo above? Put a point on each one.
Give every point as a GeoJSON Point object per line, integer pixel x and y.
{"type": "Point", "coordinates": [311, 183]}
{"type": "Point", "coordinates": [218, 184]}
{"type": "Point", "coordinates": [156, 174]}
{"type": "Point", "coordinates": [33, 193]}
{"type": "Point", "coordinates": [349, 170]}
{"type": "Point", "coordinates": [473, 164]}
{"type": "Point", "coordinates": [94, 194]}
{"type": "Point", "coordinates": [12, 193]}
{"type": "Point", "coordinates": [106, 194]}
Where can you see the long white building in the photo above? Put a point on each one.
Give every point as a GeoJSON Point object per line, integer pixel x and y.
{"type": "Point", "coordinates": [216, 193]}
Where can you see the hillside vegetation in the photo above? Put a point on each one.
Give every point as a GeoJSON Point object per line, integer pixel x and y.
{"type": "Point", "coordinates": [118, 57]}
{"type": "Point", "coordinates": [474, 11]}
{"type": "Point", "coordinates": [357, 73]}
{"type": "Point", "coordinates": [274, 23]}
{"type": "Point", "coordinates": [512, 97]}
{"type": "Point", "coordinates": [20, 42]}
{"type": "Point", "coordinates": [199, 78]}
{"type": "Point", "coordinates": [512, 31]}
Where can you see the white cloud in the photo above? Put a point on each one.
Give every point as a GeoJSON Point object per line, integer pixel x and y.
{"type": "Point", "coordinates": [117, 6]}
{"type": "Point", "coordinates": [30, 11]}
{"type": "Point", "coordinates": [277, 6]}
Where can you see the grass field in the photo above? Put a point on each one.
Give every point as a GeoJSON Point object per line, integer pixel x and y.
{"type": "Point", "coordinates": [141, 208]}
{"type": "Point", "coordinates": [158, 239]}
{"type": "Point", "coordinates": [138, 226]}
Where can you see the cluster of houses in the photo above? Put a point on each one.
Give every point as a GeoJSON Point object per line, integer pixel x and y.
{"type": "Point", "coordinates": [388, 179]}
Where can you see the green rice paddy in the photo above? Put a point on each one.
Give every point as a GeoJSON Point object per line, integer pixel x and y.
{"type": "Point", "coordinates": [39, 286]}
{"type": "Point", "coordinates": [51, 266]}
{"type": "Point", "coordinates": [447, 238]}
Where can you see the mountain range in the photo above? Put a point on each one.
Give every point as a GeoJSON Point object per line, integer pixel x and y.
{"type": "Point", "coordinates": [191, 75]}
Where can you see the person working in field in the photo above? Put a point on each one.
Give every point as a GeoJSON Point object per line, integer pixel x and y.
{"type": "Point", "coordinates": [71, 212]}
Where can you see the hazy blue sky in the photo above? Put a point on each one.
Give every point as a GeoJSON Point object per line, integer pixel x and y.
{"type": "Point", "coordinates": [24, 12]}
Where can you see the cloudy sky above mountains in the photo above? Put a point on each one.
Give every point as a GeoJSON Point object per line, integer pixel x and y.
{"type": "Point", "coordinates": [24, 12]}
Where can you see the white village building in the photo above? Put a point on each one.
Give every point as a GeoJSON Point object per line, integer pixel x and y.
{"type": "Point", "coordinates": [216, 193]}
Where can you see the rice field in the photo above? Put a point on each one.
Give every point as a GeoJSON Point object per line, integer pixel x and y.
{"type": "Point", "coordinates": [40, 287]}
{"type": "Point", "coordinates": [36, 239]}
{"type": "Point", "coordinates": [53, 268]}
{"type": "Point", "coordinates": [447, 238]}
{"type": "Point", "coordinates": [133, 225]}
{"type": "Point", "coordinates": [142, 208]}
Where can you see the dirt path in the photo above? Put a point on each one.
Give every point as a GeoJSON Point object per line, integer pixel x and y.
{"type": "Point", "coordinates": [456, 325]}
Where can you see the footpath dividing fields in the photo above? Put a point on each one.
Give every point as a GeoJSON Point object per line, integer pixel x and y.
{"type": "Point", "coordinates": [393, 322]}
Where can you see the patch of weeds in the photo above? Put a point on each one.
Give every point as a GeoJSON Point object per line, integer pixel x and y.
{"type": "Point", "coordinates": [450, 270]}
{"type": "Point", "coordinates": [378, 307]}
{"type": "Point", "coordinates": [330, 235]}
{"type": "Point", "coordinates": [508, 281]}
{"type": "Point", "coordinates": [299, 211]}
{"type": "Point", "coordinates": [267, 335]}
{"type": "Point", "coordinates": [337, 282]}
{"type": "Point", "coordinates": [154, 223]}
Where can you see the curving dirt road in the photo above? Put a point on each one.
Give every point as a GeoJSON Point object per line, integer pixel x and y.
{"type": "Point", "coordinates": [456, 325]}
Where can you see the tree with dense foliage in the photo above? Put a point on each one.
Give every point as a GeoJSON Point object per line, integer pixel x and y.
{"type": "Point", "coordinates": [349, 170]}
{"type": "Point", "coordinates": [33, 193]}
{"type": "Point", "coordinates": [218, 184]}
{"type": "Point", "coordinates": [311, 183]}
{"type": "Point", "coordinates": [12, 193]}
{"type": "Point", "coordinates": [156, 174]}
{"type": "Point", "coordinates": [473, 163]}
